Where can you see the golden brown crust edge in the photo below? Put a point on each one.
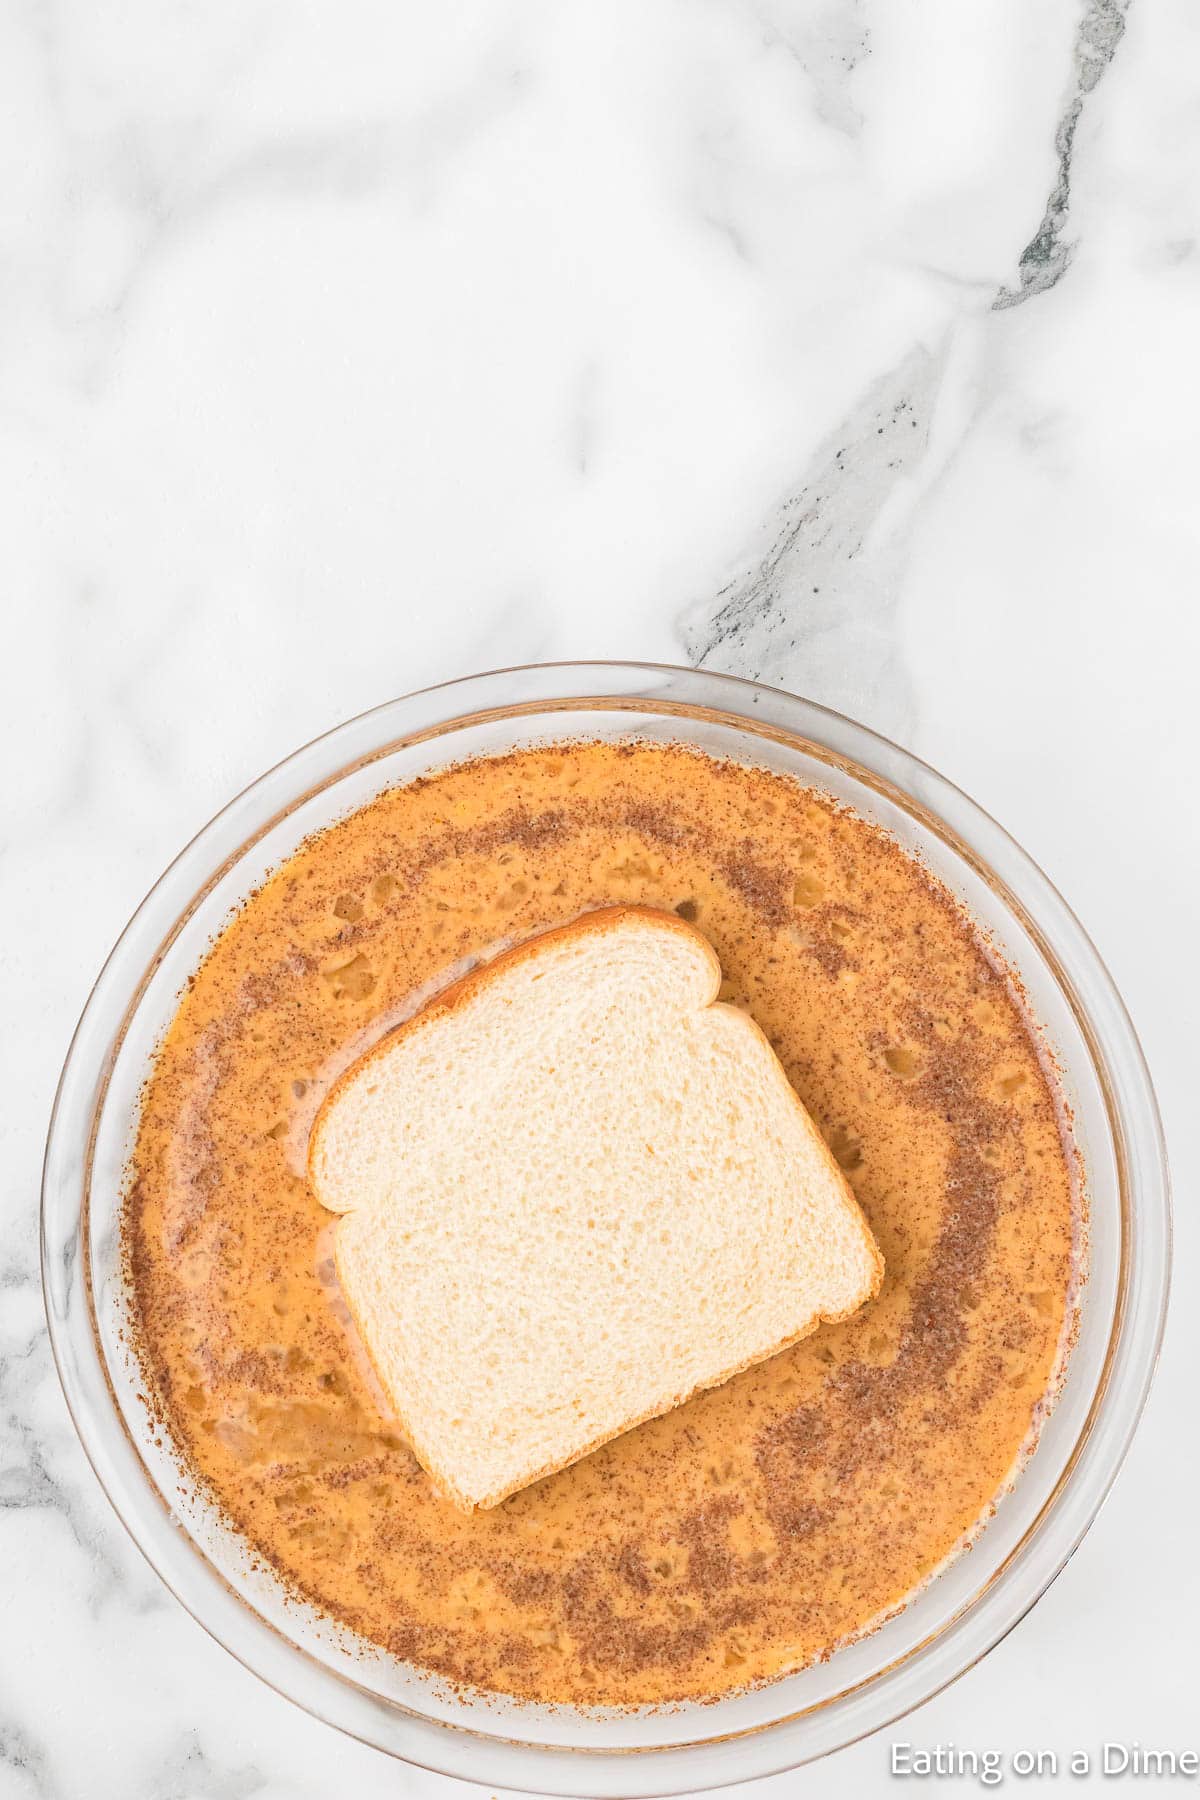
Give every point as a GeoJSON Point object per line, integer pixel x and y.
{"type": "Point", "coordinates": [453, 996]}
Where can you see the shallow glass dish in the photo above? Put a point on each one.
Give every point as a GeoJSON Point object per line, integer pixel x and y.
{"type": "Point", "coordinates": [952, 1621]}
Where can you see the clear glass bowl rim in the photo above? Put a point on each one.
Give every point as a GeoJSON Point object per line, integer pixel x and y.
{"type": "Point", "coordinates": [538, 689]}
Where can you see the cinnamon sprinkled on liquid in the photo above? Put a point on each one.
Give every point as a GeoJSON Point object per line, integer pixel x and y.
{"type": "Point", "coordinates": [762, 1524]}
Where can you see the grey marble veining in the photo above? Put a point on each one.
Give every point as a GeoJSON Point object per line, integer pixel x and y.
{"type": "Point", "coordinates": [815, 611]}
{"type": "Point", "coordinates": [1047, 255]}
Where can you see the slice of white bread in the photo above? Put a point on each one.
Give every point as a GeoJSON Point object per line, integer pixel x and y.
{"type": "Point", "coordinates": [575, 1191]}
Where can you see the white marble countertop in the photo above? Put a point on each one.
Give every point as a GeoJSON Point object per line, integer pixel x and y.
{"type": "Point", "coordinates": [345, 349]}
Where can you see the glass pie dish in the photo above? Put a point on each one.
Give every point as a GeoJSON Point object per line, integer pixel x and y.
{"type": "Point", "coordinates": [951, 1621]}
